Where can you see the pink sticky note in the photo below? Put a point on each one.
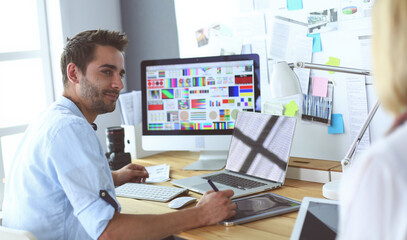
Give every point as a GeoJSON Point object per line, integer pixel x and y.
{"type": "Point", "coordinates": [320, 86]}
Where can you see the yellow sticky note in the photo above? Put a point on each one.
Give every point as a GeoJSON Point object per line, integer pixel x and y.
{"type": "Point", "coordinates": [291, 109]}
{"type": "Point", "coordinates": [333, 61]}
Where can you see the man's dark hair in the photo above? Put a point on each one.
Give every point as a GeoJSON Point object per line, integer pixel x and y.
{"type": "Point", "coordinates": [80, 49]}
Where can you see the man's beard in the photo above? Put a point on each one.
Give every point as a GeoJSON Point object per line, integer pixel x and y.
{"type": "Point", "coordinates": [94, 94]}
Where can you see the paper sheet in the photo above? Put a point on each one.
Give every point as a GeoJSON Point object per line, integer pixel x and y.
{"type": "Point", "coordinates": [259, 47]}
{"type": "Point", "coordinates": [290, 43]}
{"type": "Point", "coordinates": [158, 173]}
{"type": "Point", "coordinates": [365, 51]}
{"type": "Point", "coordinates": [273, 108]}
{"type": "Point", "coordinates": [285, 36]}
{"type": "Point", "coordinates": [126, 108]}
{"type": "Point", "coordinates": [359, 20]}
{"type": "Point", "coordinates": [130, 107]}
{"type": "Point", "coordinates": [249, 25]}
{"type": "Point", "coordinates": [137, 106]}
{"type": "Point", "coordinates": [357, 108]}
{"type": "Point", "coordinates": [277, 106]}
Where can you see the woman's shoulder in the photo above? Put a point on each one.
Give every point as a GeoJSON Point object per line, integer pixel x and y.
{"type": "Point", "coordinates": [392, 148]}
{"type": "Point", "coordinates": [388, 154]}
{"type": "Point", "coordinates": [393, 142]}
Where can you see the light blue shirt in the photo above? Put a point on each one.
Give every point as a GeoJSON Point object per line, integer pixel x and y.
{"type": "Point", "coordinates": [53, 185]}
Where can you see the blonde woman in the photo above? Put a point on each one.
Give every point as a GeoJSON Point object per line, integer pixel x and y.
{"type": "Point", "coordinates": [373, 196]}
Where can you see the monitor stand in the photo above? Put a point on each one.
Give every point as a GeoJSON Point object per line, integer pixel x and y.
{"type": "Point", "coordinates": [209, 160]}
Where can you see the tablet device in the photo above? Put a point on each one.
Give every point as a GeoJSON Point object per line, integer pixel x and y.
{"type": "Point", "coordinates": [317, 219]}
{"type": "Point", "coordinates": [260, 206]}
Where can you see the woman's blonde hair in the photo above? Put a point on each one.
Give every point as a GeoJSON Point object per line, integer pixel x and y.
{"type": "Point", "coordinates": [389, 53]}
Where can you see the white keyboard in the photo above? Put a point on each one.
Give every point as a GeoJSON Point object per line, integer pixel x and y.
{"type": "Point", "coordinates": [149, 192]}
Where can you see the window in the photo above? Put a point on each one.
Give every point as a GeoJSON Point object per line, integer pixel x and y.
{"type": "Point", "coordinates": [26, 86]}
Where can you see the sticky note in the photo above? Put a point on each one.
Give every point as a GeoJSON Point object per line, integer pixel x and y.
{"type": "Point", "coordinates": [336, 124]}
{"type": "Point", "coordinates": [333, 61]}
{"type": "Point", "coordinates": [294, 4]}
{"type": "Point", "coordinates": [320, 86]}
{"type": "Point", "coordinates": [316, 42]}
{"type": "Point", "coordinates": [291, 109]}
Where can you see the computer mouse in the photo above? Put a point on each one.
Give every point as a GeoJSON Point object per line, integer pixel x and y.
{"type": "Point", "coordinates": [181, 202]}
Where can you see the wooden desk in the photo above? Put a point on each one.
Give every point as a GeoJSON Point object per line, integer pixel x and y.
{"type": "Point", "coordinates": [278, 227]}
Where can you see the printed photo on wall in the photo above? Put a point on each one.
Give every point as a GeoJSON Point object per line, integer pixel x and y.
{"type": "Point", "coordinates": [318, 103]}
{"type": "Point", "coordinates": [323, 21]}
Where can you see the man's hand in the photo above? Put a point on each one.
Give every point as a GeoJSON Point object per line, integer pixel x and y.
{"type": "Point", "coordinates": [130, 173]}
{"type": "Point", "coordinates": [216, 206]}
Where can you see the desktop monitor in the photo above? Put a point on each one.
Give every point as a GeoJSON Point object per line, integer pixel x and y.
{"type": "Point", "coordinates": [192, 103]}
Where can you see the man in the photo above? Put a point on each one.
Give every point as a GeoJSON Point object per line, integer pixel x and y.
{"type": "Point", "coordinates": [60, 185]}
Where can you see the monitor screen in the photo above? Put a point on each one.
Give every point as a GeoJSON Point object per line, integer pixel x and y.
{"type": "Point", "coordinates": [192, 103]}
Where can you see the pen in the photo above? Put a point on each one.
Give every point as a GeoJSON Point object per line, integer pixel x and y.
{"type": "Point", "coordinates": [213, 185]}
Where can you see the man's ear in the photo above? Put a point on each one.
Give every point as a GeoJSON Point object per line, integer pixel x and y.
{"type": "Point", "coordinates": [73, 72]}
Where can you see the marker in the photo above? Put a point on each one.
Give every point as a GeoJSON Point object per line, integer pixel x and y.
{"type": "Point", "coordinates": [213, 185]}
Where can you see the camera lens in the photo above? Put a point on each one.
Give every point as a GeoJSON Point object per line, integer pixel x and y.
{"type": "Point", "coordinates": [115, 139]}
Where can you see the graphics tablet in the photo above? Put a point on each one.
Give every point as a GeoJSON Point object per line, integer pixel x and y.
{"type": "Point", "coordinates": [317, 219]}
{"type": "Point", "coordinates": [260, 206]}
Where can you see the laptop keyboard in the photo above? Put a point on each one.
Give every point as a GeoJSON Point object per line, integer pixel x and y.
{"type": "Point", "coordinates": [234, 181]}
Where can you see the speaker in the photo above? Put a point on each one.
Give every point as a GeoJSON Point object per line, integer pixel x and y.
{"type": "Point", "coordinates": [132, 142]}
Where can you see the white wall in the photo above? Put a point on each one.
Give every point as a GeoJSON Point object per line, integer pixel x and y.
{"type": "Point", "coordinates": [80, 15]}
{"type": "Point", "coordinates": [241, 24]}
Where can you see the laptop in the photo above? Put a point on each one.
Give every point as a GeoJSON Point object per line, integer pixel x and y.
{"type": "Point", "coordinates": [258, 156]}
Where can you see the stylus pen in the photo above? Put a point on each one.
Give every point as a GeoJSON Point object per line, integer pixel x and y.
{"type": "Point", "coordinates": [213, 185]}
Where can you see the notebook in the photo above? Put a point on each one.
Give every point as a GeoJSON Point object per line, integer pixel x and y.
{"type": "Point", "coordinates": [258, 156]}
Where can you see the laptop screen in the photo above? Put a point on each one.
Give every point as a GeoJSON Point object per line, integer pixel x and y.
{"type": "Point", "coordinates": [261, 145]}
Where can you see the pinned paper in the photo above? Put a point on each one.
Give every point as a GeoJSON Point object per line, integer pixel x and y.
{"type": "Point", "coordinates": [320, 86]}
{"type": "Point", "coordinates": [316, 43]}
{"type": "Point", "coordinates": [291, 109]}
{"type": "Point", "coordinates": [273, 108]}
{"type": "Point", "coordinates": [294, 4]}
{"type": "Point", "coordinates": [336, 124]}
{"type": "Point", "coordinates": [333, 61]}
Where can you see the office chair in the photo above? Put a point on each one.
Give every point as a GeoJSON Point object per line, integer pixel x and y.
{"type": "Point", "coordinates": [14, 234]}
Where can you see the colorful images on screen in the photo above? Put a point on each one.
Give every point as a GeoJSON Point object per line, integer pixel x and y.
{"type": "Point", "coordinates": [167, 94]}
{"type": "Point", "coordinates": [202, 96]}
